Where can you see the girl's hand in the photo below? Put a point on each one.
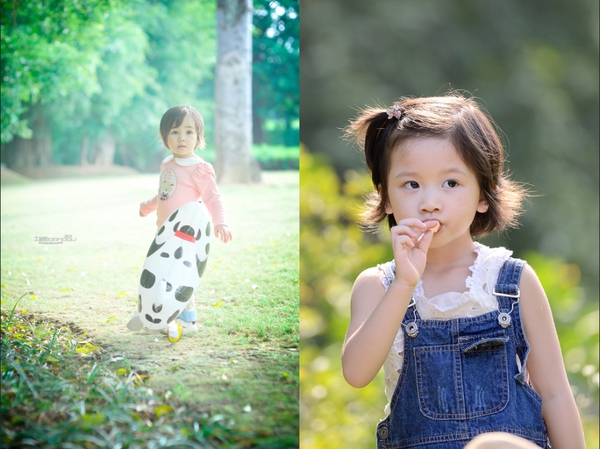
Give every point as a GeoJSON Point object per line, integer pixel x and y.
{"type": "Point", "coordinates": [223, 232]}
{"type": "Point", "coordinates": [410, 242]}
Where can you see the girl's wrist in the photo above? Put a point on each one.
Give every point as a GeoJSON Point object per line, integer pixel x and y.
{"type": "Point", "coordinates": [401, 288]}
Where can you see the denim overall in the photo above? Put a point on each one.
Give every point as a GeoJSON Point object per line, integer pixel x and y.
{"type": "Point", "coordinates": [464, 377]}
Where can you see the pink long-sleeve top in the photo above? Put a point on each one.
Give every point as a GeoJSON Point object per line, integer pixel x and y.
{"type": "Point", "coordinates": [183, 180]}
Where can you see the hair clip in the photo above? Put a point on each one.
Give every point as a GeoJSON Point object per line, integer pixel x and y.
{"type": "Point", "coordinates": [396, 111]}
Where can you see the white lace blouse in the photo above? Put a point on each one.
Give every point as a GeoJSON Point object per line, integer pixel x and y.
{"type": "Point", "coordinates": [476, 300]}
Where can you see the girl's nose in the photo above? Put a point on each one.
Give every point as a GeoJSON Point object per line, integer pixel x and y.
{"type": "Point", "coordinates": [430, 202]}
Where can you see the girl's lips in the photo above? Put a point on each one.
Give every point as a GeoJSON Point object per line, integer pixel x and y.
{"type": "Point", "coordinates": [435, 229]}
{"type": "Point", "coordinates": [437, 226]}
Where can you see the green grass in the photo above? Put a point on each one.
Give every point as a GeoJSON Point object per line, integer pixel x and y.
{"type": "Point", "coordinates": [239, 372]}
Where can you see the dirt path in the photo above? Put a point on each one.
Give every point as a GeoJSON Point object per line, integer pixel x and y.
{"type": "Point", "coordinates": [243, 362]}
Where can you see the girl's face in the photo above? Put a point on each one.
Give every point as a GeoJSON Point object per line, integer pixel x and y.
{"type": "Point", "coordinates": [183, 140]}
{"type": "Point", "coordinates": [428, 180]}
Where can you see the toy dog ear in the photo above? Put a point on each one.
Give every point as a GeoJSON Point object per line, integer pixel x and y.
{"type": "Point", "coordinates": [173, 215]}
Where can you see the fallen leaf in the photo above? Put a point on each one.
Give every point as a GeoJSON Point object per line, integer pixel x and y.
{"type": "Point", "coordinates": [122, 372]}
{"type": "Point", "coordinates": [162, 410]}
{"type": "Point", "coordinates": [92, 347]}
{"type": "Point", "coordinates": [121, 293]}
{"type": "Point", "coordinates": [218, 304]}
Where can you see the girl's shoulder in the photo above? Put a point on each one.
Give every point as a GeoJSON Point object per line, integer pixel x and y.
{"type": "Point", "coordinates": [375, 278]}
{"type": "Point", "coordinates": [368, 283]}
{"type": "Point", "coordinates": [203, 168]}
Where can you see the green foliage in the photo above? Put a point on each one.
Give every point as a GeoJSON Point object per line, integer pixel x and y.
{"type": "Point", "coordinates": [334, 251]}
{"type": "Point", "coordinates": [60, 390]}
{"type": "Point", "coordinates": [46, 53]}
{"type": "Point", "coordinates": [270, 157]}
{"type": "Point", "coordinates": [276, 71]}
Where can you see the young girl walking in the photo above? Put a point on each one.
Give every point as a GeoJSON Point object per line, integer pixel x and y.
{"type": "Point", "coordinates": [185, 177]}
{"type": "Point", "coordinates": [463, 331]}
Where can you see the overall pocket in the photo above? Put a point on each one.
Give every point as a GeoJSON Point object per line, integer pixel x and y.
{"type": "Point", "coordinates": [464, 380]}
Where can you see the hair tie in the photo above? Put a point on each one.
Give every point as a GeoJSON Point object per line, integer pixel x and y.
{"type": "Point", "coordinates": [396, 111]}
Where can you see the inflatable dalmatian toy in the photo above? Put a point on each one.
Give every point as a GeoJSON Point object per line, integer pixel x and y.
{"type": "Point", "coordinates": [173, 268]}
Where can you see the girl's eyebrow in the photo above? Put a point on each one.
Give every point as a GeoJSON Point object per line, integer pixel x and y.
{"type": "Point", "coordinates": [446, 171]}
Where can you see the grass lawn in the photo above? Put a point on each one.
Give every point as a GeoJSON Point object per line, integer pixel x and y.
{"type": "Point", "coordinates": [240, 369]}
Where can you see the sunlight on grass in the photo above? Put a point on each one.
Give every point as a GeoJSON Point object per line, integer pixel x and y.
{"type": "Point", "coordinates": [247, 302]}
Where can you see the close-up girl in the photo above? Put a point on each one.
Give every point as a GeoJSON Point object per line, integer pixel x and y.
{"type": "Point", "coordinates": [463, 331]}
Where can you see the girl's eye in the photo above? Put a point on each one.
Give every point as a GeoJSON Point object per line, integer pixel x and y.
{"type": "Point", "coordinates": [173, 132]}
{"type": "Point", "coordinates": [451, 183]}
{"type": "Point", "coordinates": [411, 185]}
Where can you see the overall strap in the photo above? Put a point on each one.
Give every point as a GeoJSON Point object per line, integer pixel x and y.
{"type": "Point", "coordinates": [507, 290]}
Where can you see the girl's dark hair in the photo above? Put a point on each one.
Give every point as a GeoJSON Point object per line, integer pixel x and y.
{"type": "Point", "coordinates": [380, 131]}
{"type": "Point", "coordinates": [174, 117]}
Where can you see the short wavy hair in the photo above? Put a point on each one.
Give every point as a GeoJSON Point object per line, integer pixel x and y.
{"type": "Point", "coordinates": [472, 132]}
{"type": "Point", "coordinates": [174, 117]}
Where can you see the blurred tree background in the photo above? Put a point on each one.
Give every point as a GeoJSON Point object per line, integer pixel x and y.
{"type": "Point", "coordinates": [534, 66]}
{"type": "Point", "coordinates": [86, 82]}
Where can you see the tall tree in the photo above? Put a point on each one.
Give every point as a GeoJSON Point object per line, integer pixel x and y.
{"type": "Point", "coordinates": [233, 120]}
{"type": "Point", "coordinates": [46, 53]}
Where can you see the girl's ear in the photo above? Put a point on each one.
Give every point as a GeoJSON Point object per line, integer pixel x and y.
{"type": "Point", "coordinates": [482, 206]}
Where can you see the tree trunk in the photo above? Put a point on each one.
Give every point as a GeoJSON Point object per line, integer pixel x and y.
{"type": "Point", "coordinates": [103, 152]}
{"type": "Point", "coordinates": [37, 151]}
{"type": "Point", "coordinates": [233, 119]}
{"type": "Point", "coordinates": [84, 150]}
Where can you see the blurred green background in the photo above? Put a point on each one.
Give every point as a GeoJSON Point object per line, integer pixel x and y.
{"type": "Point", "coordinates": [534, 67]}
